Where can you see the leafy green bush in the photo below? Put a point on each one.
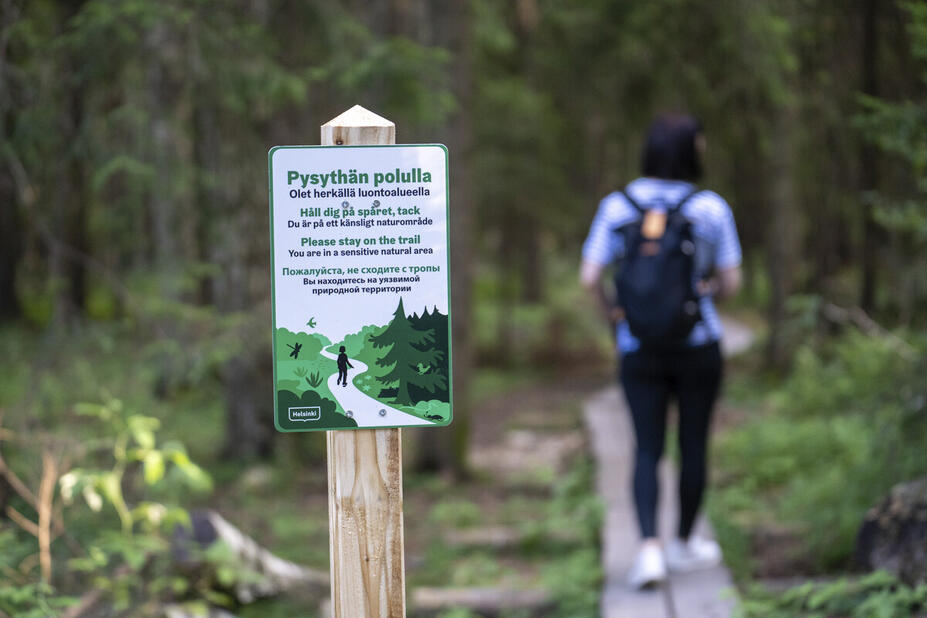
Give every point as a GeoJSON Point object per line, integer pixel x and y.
{"type": "Point", "coordinates": [119, 515]}
{"type": "Point", "coordinates": [848, 424]}
{"type": "Point", "coordinates": [575, 575]}
{"type": "Point", "coordinates": [878, 595]}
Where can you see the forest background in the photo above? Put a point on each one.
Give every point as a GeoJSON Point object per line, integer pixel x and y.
{"type": "Point", "coordinates": [134, 280]}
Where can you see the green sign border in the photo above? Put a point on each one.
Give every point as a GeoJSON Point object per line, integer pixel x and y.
{"type": "Point", "coordinates": [273, 291]}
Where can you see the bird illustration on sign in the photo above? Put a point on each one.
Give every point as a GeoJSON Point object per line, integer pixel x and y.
{"type": "Point", "coordinates": [311, 323]}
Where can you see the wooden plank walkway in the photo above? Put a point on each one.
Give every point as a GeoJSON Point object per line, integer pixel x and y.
{"type": "Point", "coordinates": [701, 594]}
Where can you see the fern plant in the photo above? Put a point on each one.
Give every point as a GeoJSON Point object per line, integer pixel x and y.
{"type": "Point", "coordinates": [314, 380]}
{"type": "Point", "coordinates": [300, 372]}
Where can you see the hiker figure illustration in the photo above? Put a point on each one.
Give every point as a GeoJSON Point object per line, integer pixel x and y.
{"type": "Point", "coordinates": [674, 248]}
{"type": "Point", "coordinates": [343, 364]}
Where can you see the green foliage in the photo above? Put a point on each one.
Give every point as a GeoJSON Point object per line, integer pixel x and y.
{"type": "Point", "coordinates": [433, 409]}
{"type": "Point", "coordinates": [411, 78]}
{"type": "Point", "coordinates": [437, 323]}
{"type": "Point", "coordinates": [407, 348]}
{"type": "Point", "coordinates": [357, 345]}
{"type": "Point", "coordinates": [454, 512]}
{"type": "Point", "coordinates": [897, 128]}
{"type": "Point", "coordinates": [851, 411]}
{"type": "Point", "coordinates": [330, 417]}
{"type": "Point", "coordinates": [878, 595]}
{"type": "Point", "coordinates": [133, 437]}
{"type": "Point", "coordinates": [565, 327]}
{"type": "Point", "coordinates": [576, 581]}
{"type": "Point", "coordinates": [458, 613]}
{"type": "Point", "coordinates": [575, 577]}
{"type": "Point", "coordinates": [34, 600]}
{"type": "Point", "coordinates": [312, 344]}
{"type": "Point", "coordinates": [125, 477]}
{"type": "Point", "coordinates": [310, 364]}
{"type": "Point", "coordinates": [559, 551]}
{"type": "Point", "coordinates": [478, 567]}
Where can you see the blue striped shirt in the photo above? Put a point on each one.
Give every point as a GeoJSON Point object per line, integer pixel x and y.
{"type": "Point", "coordinates": [717, 245]}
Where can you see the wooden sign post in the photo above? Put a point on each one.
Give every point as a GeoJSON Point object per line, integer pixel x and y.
{"type": "Point", "coordinates": [361, 334]}
{"type": "Point", "coordinates": [365, 469]}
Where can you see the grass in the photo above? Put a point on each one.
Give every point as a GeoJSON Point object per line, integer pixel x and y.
{"type": "Point", "coordinates": [292, 375]}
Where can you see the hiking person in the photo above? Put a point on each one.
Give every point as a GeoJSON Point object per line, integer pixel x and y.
{"type": "Point", "coordinates": [343, 364]}
{"type": "Point", "coordinates": [675, 249]}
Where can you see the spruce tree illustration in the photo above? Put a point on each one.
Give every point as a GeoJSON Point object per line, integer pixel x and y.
{"type": "Point", "coordinates": [408, 348]}
{"type": "Point", "coordinates": [437, 322]}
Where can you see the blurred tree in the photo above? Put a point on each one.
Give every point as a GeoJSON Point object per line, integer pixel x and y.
{"type": "Point", "coordinates": [134, 127]}
{"type": "Point", "coordinates": [868, 161]}
{"type": "Point", "coordinates": [899, 130]}
{"type": "Point", "coordinates": [128, 179]}
{"type": "Point", "coordinates": [11, 245]}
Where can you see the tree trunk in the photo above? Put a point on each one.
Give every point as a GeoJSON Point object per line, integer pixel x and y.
{"type": "Point", "coordinates": [206, 163]}
{"type": "Point", "coordinates": [160, 103]}
{"type": "Point", "coordinates": [780, 239]}
{"type": "Point", "coordinates": [869, 175]}
{"type": "Point", "coordinates": [247, 432]}
{"type": "Point", "coordinates": [528, 240]}
{"type": "Point", "coordinates": [532, 268]}
{"type": "Point", "coordinates": [75, 230]}
{"type": "Point", "coordinates": [67, 229]}
{"type": "Point", "coordinates": [10, 245]}
{"type": "Point", "coordinates": [445, 449]}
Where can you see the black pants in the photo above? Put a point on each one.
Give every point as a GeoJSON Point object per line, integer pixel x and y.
{"type": "Point", "coordinates": [342, 376]}
{"type": "Point", "coordinates": [650, 379]}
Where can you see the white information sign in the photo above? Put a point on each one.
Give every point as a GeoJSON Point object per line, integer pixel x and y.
{"type": "Point", "coordinates": [360, 275]}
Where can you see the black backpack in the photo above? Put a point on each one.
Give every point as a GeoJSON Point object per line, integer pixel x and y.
{"type": "Point", "coordinates": [655, 279]}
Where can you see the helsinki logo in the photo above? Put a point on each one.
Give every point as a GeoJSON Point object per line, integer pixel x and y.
{"type": "Point", "coordinates": [310, 413]}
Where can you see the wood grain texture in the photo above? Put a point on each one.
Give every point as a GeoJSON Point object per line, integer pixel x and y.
{"type": "Point", "coordinates": [358, 127]}
{"type": "Point", "coordinates": [365, 469]}
{"type": "Point", "coordinates": [365, 523]}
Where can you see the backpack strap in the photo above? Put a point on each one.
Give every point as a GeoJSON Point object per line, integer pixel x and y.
{"type": "Point", "coordinates": [631, 201]}
{"type": "Point", "coordinates": [677, 207]}
{"type": "Point", "coordinates": [688, 196]}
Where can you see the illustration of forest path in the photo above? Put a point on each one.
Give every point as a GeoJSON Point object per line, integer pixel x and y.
{"type": "Point", "coordinates": [699, 594]}
{"type": "Point", "coordinates": [366, 409]}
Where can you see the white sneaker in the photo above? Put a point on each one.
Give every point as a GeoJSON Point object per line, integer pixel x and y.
{"type": "Point", "coordinates": [696, 553]}
{"type": "Point", "coordinates": [649, 567]}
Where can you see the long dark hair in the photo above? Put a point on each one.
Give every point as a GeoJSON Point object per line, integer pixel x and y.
{"type": "Point", "coordinates": [670, 151]}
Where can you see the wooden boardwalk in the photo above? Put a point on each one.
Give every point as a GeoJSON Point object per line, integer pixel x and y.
{"type": "Point", "coordinates": [701, 594]}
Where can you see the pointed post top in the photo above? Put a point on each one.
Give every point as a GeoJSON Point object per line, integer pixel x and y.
{"type": "Point", "coordinates": [358, 126]}
{"type": "Point", "coordinates": [359, 116]}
